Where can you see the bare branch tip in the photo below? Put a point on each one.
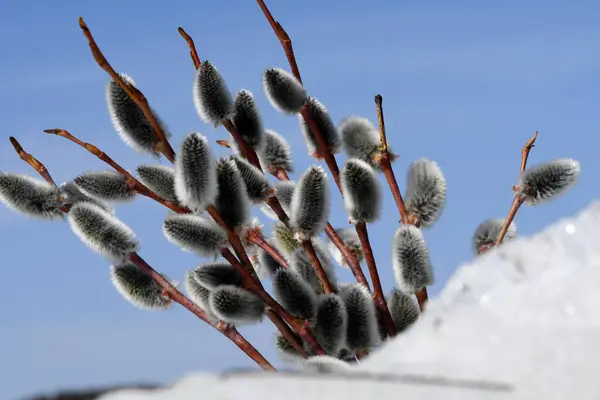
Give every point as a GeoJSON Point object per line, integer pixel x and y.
{"type": "Point", "coordinates": [54, 131]}
{"type": "Point", "coordinates": [15, 144]}
{"type": "Point", "coordinates": [378, 99]}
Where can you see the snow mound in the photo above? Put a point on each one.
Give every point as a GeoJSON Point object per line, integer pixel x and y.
{"type": "Point", "coordinates": [522, 322]}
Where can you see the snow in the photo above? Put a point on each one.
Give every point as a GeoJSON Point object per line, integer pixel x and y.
{"type": "Point", "coordinates": [521, 322]}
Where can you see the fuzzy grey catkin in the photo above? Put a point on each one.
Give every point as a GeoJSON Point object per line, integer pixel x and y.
{"type": "Point", "coordinates": [32, 197]}
{"type": "Point", "coordinates": [284, 91]}
{"type": "Point", "coordinates": [426, 191]}
{"type": "Point", "coordinates": [362, 331]}
{"type": "Point", "coordinates": [294, 294]}
{"type": "Point", "coordinates": [211, 95]}
{"type": "Point", "coordinates": [195, 173]}
{"type": "Point", "coordinates": [198, 294]}
{"type": "Point", "coordinates": [275, 153]}
{"type": "Point", "coordinates": [487, 232]}
{"type": "Point", "coordinates": [195, 234]}
{"type": "Point", "coordinates": [129, 120]}
{"type": "Point", "coordinates": [545, 181]}
{"type": "Point", "coordinates": [160, 179]}
{"type": "Point", "coordinates": [360, 139]}
{"type": "Point", "coordinates": [235, 305]}
{"type": "Point", "coordinates": [284, 191]}
{"type": "Point", "coordinates": [352, 242]}
{"type": "Point", "coordinates": [232, 200]}
{"type": "Point", "coordinates": [284, 239]}
{"type": "Point", "coordinates": [331, 323]}
{"type": "Point", "coordinates": [246, 119]}
{"type": "Point", "coordinates": [102, 232]}
{"type": "Point", "coordinates": [362, 191]}
{"type": "Point", "coordinates": [404, 310]}
{"type": "Point", "coordinates": [309, 209]}
{"type": "Point", "coordinates": [109, 186]}
{"type": "Point", "coordinates": [256, 183]}
{"type": "Point", "coordinates": [326, 365]}
{"type": "Point", "coordinates": [285, 348]}
{"type": "Point", "coordinates": [73, 195]}
{"type": "Point", "coordinates": [410, 259]}
{"type": "Point", "coordinates": [138, 288]}
{"type": "Point", "coordinates": [300, 262]}
{"type": "Point", "coordinates": [212, 275]}
{"type": "Point", "coordinates": [319, 114]}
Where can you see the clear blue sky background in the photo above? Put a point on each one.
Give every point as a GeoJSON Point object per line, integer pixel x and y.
{"type": "Point", "coordinates": [465, 83]}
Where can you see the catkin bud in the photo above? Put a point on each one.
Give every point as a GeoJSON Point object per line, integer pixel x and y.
{"type": "Point", "coordinates": [275, 153]}
{"type": "Point", "coordinates": [352, 242]}
{"type": "Point", "coordinates": [309, 209]}
{"type": "Point", "coordinates": [284, 239]}
{"type": "Point", "coordinates": [294, 294]}
{"type": "Point", "coordinates": [105, 186]}
{"type": "Point", "coordinates": [102, 232]}
{"type": "Point", "coordinates": [195, 173]}
{"type": "Point", "coordinates": [487, 232]}
{"type": "Point", "coordinates": [360, 139]}
{"type": "Point", "coordinates": [211, 96]}
{"type": "Point", "coordinates": [160, 179]}
{"type": "Point", "coordinates": [362, 191]}
{"type": "Point", "coordinates": [246, 119]}
{"type": "Point", "coordinates": [320, 116]}
{"type": "Point", "coordinates": [404, 310]}
{"type": "Point", "coordinates": [129, 120]}
{"type": "Point", "coordinates": [362, 331]}
{"type": "Point", "coordinates": [326, 365]}
{"type": "Point", "coordinates": [138, 288]}
{"type": "Point", "coordinates": [195, 234]}
{"type": "Point", "coordinates": [426, 191]}
{"type": "Point", "coordinates": [236, 306]}
{"type": "Point", "coordinates": [72, 195]}
{"type": "Point", "coordinates": [331, 323]}
{"type": "Point", "coordinates": [198, 294]}
{"type": "Point", "coordinates": [410, 259]}
{"type": "Point", "coordinates": [545, 181]}
{"type": "Point", "coordinates": [283, 90]}
{"type": "Point", "coordinates": [232, 201]}
{"type": "Point", "coordinates": [33, 197]}
{"type": "Point", "coordinates": [212, 275]}
{"type": "Point", "coordinates": [257, 184]}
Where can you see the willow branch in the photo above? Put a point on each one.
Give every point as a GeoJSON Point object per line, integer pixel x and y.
{"type": "Point", "coordinates": [526, 149]}
{"type": "Point", "coordinates": [135, 94]}
{"type": "Point", "coordinates": [287, 333]}
{"type": "Point", "coordinates": [260, 241]}
{"type": "Point", "coordinates": [190, 42]}
{"type": "Point", "coordinates": [33, 162]}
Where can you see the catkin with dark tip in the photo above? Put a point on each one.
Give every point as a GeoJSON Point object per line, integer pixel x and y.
{"type": "Point", "coordinates": [275, 153]}
{"type": "Point", "coordinates": [235, 305]}
{"type": "Point", "coordinates": [545, 181]}
{"type": "Point", "coordinates": [319, 114]}
{"type": "Point", "coordinates": [331, 323]}
{"type": "Point", "coordinates": [283, 90]}
{"type": "Point", "coordinates": [105, 186]}
{"type": "Point", "coordinates": [195, 234]}
{"type": "Point", "coordinates": [211, 96]}
{"type": "Point", "coordinates": [212, 275]}
{"type": "Point", "coordinates": [309, 209]}
{"type": "Point", "coordinates": [410, 259]}
{"type": "Point", "coordinates": [232, 200]}
{"type": "Point", "coordinates": [426, 191]}
{"type": "Point", "coordinates": [160, 179]}
{"type": "Point", "coordinates": [294, 294]}
{"type": "Point", "coordinates": [487, 232]}
{"type": "Point", "coordinates": [362, 331]}
{"type": "Point", "coordinates": [404, 310]}
{"type": "Point", "coordinates": [138, 288]}
{"type": "Point", "coordinates": [256, 183]}
{"type": "Point", "coordinates": [32, 197]}
{"type": "Point", "coordinates": [362, 191]}
{"type": "Point", "coordinates": [246, 119]}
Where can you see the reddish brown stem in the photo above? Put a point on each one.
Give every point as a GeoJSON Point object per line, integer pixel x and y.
{"type": "Point", "coordinates": [287, 333]}
{"type": "Point", "coordinates": [229, 331]}
{"type": "Point", "coordinates": [136, 95]}
{"type": "Point", "coordinates": [422, 298]}
{"type": "Point", "coordinates": [190, 42]}
{"type": "Point", "coordinates": [260, 241]}
{"type": "Point", "coordinates": [281, 174]}
{"type": "Point", "coordinates": [245, 148]}
{"type": "Point", "coordinates": [514, 208]}
{"type": "Point", "coordinates": [31, 160]}
{"type": "Point", "coordinates": [379, 297]}
{"type": "Point", "coordinates": [526, 149]}
{"type": "Point", "coordinates": [316, 263]}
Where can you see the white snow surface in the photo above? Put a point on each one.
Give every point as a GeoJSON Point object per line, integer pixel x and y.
{"type": "Point", "coordinates": [521, 322]}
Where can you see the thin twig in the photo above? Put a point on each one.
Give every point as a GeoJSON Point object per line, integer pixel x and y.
{"type": "Point", "coordinates": [245, 148]}
{"type": "Point", "coordinates": [379, 297]}
{"type": "Point", "coordinates": [33, 162]}
{"type": "Point", "coordinates": [526, 149]}
{"type": "Point", "coordinates": [260, 241]}
{"type": "Point", "coordinates": [135, 94]}
{"type": "Point", "coordinates": [287, 333]}
{"type": "Point", "coordinates": [308, 247]}
{"type": "Point", "coordinates": [190, 42]}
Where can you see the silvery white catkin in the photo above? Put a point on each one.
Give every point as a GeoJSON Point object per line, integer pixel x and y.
{"type": "Point", "coordinates": [195, 234]}
{"type": "Point", "coordinates": [160, 179]}
{"type": "Point", "coordinates": [138, 288]}
{"type": "Point", "coordinates": [102, 232]}
{"type": "Point", "coordinates": [410, 259]}
{"type": "Point", "coordinates": [32, 197]}
{"type": "Point", "coordinates": [404, 309]}
{"type": "Point", "coordinates": [198, 294]}
{"type": "Point", "coordinates": [129, 120]}
{"type": "Point", "coordinates": [212, 275]}
{"type": "Point", "coordinates": [257, 184]}
{"type": "Point", "coordinates": [232, 201]}
{"type": "Point", "coordinates": [545, 181]}
{"type": "Point", "coordinates": [294, 294]}
{"type": "Point", "coordinates": [284, 91]}
{"type": "Point", "coordinates": [325, 125]}
{"type": "Point", "coordinates": [267, 266]}
{"type": "Point", "coordinates": [331, 323]}
{"type": "Point", "coordinates": [284, 239]}
{"type": "Point", "coordinates": [362, 331]}
{"type": "Point", "coordinates": [195, 173]}
{"type": "Point", "coordinates": [73, 195]}
{"type": "Point", "coordinates": [275, 153]}
{"type": "Point", "coordinates": [426, 191]}
{"type": "Point", "coordinates": [362, 191]}
{"type": "Point", "coordinates": [486, 233]}
{"type": "Point", "coordinates": [352, 242]}
{"type": "Point", "coordinates": [284, 191]}
{"type": "Point", "coordinates": [360, 139]}
{"type": "Point", "coordinates": [300, 262]}
{"type": "Point", "coordinates": [310, 206]}
{"type": "Point", "coordinates": [211, 96]}
{"type": "Point", "coordinates": [326, 365]}
{"type": "Point", "coordinates": [286, 349]}
{"type": "Point", "coordinates": [246, 119]}
{"type": "Point", "coordinates": [235, 305]}
{"type": "Point", "coordinates": [105, 186]}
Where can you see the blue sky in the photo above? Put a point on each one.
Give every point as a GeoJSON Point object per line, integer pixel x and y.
{"type": "Point", "coordinates": [465, 84]}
